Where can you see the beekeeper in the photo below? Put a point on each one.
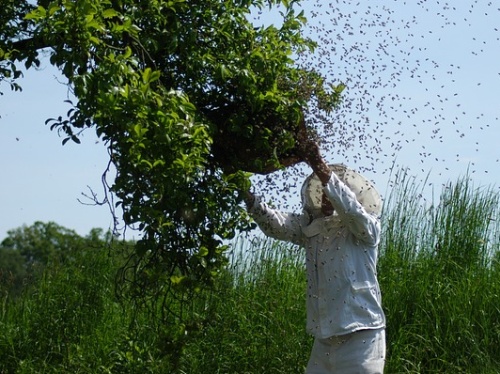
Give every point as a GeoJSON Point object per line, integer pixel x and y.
{"type": "Point", "coordinates": [340, 231]}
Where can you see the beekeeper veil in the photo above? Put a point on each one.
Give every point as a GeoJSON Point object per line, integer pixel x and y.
{"type": "Point", "coordinates": [366, 194]}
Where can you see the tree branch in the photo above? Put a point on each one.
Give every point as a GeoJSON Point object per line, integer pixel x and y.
{"type": "Point", "coordinates": [29, 44]}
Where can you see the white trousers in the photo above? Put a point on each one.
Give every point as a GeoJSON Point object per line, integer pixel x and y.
{"type": "Point", "coordinates": [361, 352]}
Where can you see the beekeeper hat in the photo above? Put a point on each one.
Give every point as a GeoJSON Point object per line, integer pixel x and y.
{"type": "Point", "coordinates": [365, 191]}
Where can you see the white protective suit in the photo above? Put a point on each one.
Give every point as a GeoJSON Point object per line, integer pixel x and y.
{"type": "Point", "coordinates": [343, 294]}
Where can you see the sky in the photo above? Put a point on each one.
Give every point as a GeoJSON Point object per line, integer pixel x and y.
{"type": "Point", "coordinates": [422, 80]}
{"type": "Point", "coordinates": [41, 179]}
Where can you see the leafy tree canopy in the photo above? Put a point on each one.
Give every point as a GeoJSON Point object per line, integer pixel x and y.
{"type": "Point", "coordinates": [190, 97]}
{"type": "Point", "coordinates": [41, 241]}
{"type": "Point", "coordinates": [27, 250]}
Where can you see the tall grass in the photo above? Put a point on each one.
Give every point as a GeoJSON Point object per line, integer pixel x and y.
{"type": "Point", "coordinates": [439, 278]}
{"type": "Point", "coordinates": [439, 271]}
{"type": "Point", "coordinates": [259, 318]}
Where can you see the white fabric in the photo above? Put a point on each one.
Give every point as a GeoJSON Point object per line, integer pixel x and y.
{"type": "Point", "coordinates": [343, 293]}
{"type": "Point", "coordinates": [361, 352]}
{"type": "Point", "coordinates": [365, 191]}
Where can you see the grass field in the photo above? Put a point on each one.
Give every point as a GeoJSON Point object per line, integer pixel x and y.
{"type": "Point", "coordinates": [439, 271]}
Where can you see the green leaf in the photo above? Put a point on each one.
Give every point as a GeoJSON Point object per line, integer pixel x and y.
{"type": "Point", "coordinates": [36, 14]}
{"type": "Point", "coordinates": [146, 163]}
{"type": "Point", "coordinates": [158, 163]}
{"type": "Point", "coordinates": [94, 24]}
{"type": "Point", "coordinates": [110, 13]}
{"type": "Point", "coordinates": [177, 279]}
{"type": "Point", "coordinates": [127, 53]}
{"type": "Point", "coordinates": [139, 130]}
{"type": "Point", "coordinates": [225, 73]}
{"type": "Point", "coordinates": [53, 8]}
{"type": "Point", "coordinates": [203, 252]}
{"type": "Point", "coordinates": [149, 76]}
{"type": "Point", "coordinates": [146, 75]}
{"type": "Point", "coordinates": [95, 40]}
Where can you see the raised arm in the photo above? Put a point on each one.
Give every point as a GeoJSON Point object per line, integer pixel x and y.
{"type": "Point", "coordinates": [337, 195]}
{"type": "Point", "coordinates": [274, 223]}
{"type": "Point", "coordinates": [311, 154]}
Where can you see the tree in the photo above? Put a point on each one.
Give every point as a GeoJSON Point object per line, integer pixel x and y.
{"type": "Point", "coordinates": [11, 19]}
{"type": "Point", "coordinates": [42, 242]}
{"type": "Point", "coordinates": [27, 250]}
{"type": "Point", "coordinates": [190, 98]}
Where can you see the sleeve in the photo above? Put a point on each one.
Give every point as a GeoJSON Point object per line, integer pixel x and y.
{"type": "Point", "coordinates": [276, 224]}
{"type": "Point", "coordinates": [364, 226]}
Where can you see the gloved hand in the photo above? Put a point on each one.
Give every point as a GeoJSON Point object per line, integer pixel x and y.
{"type": "Point", "coordinates": [249, 198]}
{"type": "Point", "coordinates": [311, 153]}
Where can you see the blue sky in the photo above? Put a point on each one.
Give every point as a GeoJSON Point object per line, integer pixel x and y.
{"type": "Point", "coordinates": [41, 179]}
{"type": "Point", "coordinates": [422, 89]}
{"type": "Point", "coordinates": [430, 69]}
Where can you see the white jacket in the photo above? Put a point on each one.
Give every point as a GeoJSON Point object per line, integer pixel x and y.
{"type": "Point", "coordinates": [343, 293]}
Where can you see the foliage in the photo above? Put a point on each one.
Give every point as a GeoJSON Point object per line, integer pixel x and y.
{"type": "Point", "coordinates": [42, 242]}
{"type": "Point", "coordinates": [258, 315]}
{"type": "Point", "coordinates": [47, 321]}
{"type": "Point", "coordinates": [13, 25]}
{"type": "Point", "coordinates": [13, 271]}
{"type": "Point", "coordinates": [27, 250]}
{"type": "Point", "coordinates": [441, 302]}
{"type": "Point", "coordinates": [72, 322]}
{"type": "Point", "coordinates": [439, 276]}
{"type": "Point", "coordinates": [189, 97]}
